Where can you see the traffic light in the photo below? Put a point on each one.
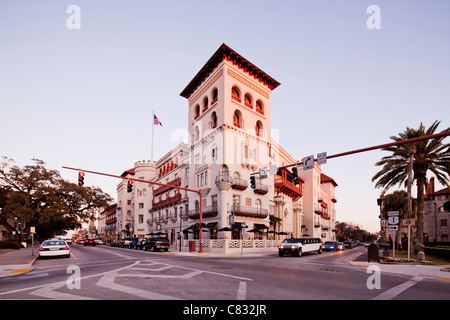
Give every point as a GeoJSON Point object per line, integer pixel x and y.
{"type": "Point", "coordinates": [295, 175]}
{"type": "Point", "coordinates": [80, 179]}
{"type": "Point", "coordinates": [252, 182]}
{"type": "Point", "coordinates": [197, 225]}
{"type": "Point", "coordinates": [130, 186]}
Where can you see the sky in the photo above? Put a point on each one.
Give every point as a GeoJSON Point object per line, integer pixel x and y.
{"type": "Point", "coordinates": [79, 90]}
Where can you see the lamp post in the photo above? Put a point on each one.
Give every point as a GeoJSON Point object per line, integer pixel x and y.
{"type": "Point", "coordinates": [181, 216]}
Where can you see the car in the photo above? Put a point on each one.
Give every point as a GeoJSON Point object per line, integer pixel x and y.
{"type": "Point", "coordinates": [140, 244]}
{"type": "Point", "coordinates": [116, 243]}
{"type": "Point", "coordinates": [349, 244]}
{"type": "Point", "coordinates": [157, 244]}
{"type": "Point", "coordinates": [134, 242]}
{"type": "Point", "coordinates": [90, 242]}
{"type": "Point", "coordinates": [126, 242]}
{"type": "Point", "coordinates": [340, 246]}
{"type": "Point", "coordinates": [297, 246]}
{"type": "Point", "coordinates": [329, 246]}
{"type": "Point", "coordinates": [54, 248]}
{"type": "Point", "coordinates": [99, 241]}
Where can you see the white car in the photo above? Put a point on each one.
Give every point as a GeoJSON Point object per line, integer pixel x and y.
{"type": "Point", "coordinates": [53, 248]}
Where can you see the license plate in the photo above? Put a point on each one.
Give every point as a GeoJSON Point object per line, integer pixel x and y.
{"type": "Point", "coordinates": [54, 249]}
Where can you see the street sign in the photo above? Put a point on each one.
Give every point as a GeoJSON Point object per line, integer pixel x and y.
{"type": "Point", "coordinates": [408, 222]}
{"type": "Point", "coordinates": [273, 169]}
{"type": "Point", "coordinates": [263, 173]}
{"type": "Point", "coordinates": [393, 227]}
{"type": "Point", "coordinates": [308, 162]}
{"type": "Point", "coordinates": [393, 220]}
{"type": "Point", "coordinates": [231, 219]}
{"type": "Point", "coordinates": [158, 227]}
{"type": "Point", "coordinates": [393, 213]}
{"type": "Point", "coordinates": [322, 158]}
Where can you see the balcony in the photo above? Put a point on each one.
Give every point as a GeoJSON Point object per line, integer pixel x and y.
{"type": "Point", "coordinates": [239, 184]}
{"type": "Point", "coordinates": [261, 188]}
{"type": "Point", "coordinates": [239, 210]}
{"type": "Point", "coordinates": [207, 211]}
{"type": "Point", "coordinates": [175, 183]}
{"type": "Point", "coordinates": [167, 202]}
{"type": "Point", "coordinates": [284, 184]}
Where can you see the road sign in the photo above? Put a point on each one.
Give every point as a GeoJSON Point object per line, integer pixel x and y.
{"type": "Point", "coordinates": [263, 173]}
{"type": "Point", "coordinates": [158, 227]}
{"type": "Point", "coordinates": [393, 227]}
{"type": "Point", "coordinates": [393, 213]}
{"type": "Point", "coordinates": [273, 169]}
{"type": "Point", "coordinates": [308, 162]}
{"type": "Point", "coordinates": [408, 222]}
{"type": "Point", "coordinates": [231, 219]}
{"type": "Point", "coordinates": [322, 158]}
{"type": "Point", "coordinates": [393, 220]}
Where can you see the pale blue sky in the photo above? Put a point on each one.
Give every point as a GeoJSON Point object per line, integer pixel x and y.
{"type": "Point", "coordinates": [84, 98]}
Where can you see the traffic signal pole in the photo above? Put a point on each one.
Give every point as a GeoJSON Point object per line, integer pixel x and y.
{"type": "Point", "coordinates": [381, 146]}
{"type": "Point", "coordinates": [159, 184]}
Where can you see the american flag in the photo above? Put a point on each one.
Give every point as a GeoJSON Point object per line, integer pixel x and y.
{"type": "Point", "coordinates": [156, 120]}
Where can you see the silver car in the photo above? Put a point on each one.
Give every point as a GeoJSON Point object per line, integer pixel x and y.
{"type": "Point", "coordinates": [54, 248]}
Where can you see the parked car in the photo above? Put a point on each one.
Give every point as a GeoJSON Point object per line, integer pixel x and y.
{"type": "Point", "coordinates": [126, 242]}
{"type": "Point", "coordinates": [53, 248]}
{"type": "Point", "coordinates": [349, 244]}
{"type": "Point", "coordinates": [297, 247]}
{"type": "Point", "coordinates": [90, 242]}
{"type": "Point", "coordinates": [133, 243]}
{"type": "Point", "coordinates": [140, 244]}
{"type": "Point", "coordinates": [157, 244]}
{"type": "Point", "coordinates": [340, 246]}
{"type": "Point", "coordinates": [329, 246]}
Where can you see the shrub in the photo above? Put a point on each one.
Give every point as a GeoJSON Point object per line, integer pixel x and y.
{"type": "Point", "coordinates": [8, 244]}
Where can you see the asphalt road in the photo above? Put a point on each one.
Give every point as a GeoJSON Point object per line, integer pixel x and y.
{"type": "Point", "coordinates": [107, 273]}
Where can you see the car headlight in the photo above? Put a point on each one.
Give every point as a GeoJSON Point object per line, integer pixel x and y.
{"type": "Point", "coordinates": [281, 247]}
{"type": "Point", "coordinates": [294, 247]}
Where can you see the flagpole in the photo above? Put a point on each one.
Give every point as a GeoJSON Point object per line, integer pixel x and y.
{"type": "Point", "coordinates": [153, 126]}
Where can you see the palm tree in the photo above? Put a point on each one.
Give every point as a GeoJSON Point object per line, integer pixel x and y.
{"type": "Point", "coordinates": [428, 155]}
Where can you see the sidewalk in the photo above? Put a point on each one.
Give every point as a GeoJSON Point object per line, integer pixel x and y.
{"type": "Point", "coordinates": [431, 271]}
{"type": "Point", "coordinates": [17, 262]}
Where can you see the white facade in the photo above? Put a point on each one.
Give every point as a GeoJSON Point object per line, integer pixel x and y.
{"type": "Point", "coordinates": [230, 139]}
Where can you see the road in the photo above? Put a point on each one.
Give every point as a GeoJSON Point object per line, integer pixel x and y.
{"type": "Point", "coordinates": [107, 273]}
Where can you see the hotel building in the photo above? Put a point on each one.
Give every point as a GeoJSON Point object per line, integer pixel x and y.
{"type": "Point", "coordinates": [229, 127]}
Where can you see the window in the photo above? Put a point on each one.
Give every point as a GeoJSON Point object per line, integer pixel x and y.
{"type": "Point", "coordinates": [258, 205]}
{"type": "Point", "coordinates": [141, 206]}
{"type": "Point", "coordinates": [197, 111]}
{"type": "Point", "coordinates": [215, 96]}
{"type": "Point", "coordinates": [237, 119]}
{"type": "Point", "coordinates": [214, 201]}
{"type": "Point", "coordinates": [248, 100]}
{"type": "Point", "coordinates": [444, 223]}
{"type": "Point", "coordinates": [196, 133]}
{"type": "Point", "coordinates": [258, 128]}
{"type": "Point", "coordinates": [205, 104]}
{"type": "Point", "coordinates": [236, 202]}
{"type": "Point", "coordinates": [213, 120]}
{"type": "Point", "coordinates": [259, 106]}
{"type": "Point", "coordinates": [236, 94]}
{"type": "Point", "coordinates": [141, 218]}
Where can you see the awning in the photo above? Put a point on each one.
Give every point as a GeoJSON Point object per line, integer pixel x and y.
{"type": "Point", "coordinates": [260, 226]}
{"type": "Point", "coordinates": [210, 225]}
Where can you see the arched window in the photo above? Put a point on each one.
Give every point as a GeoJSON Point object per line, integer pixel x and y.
{"type": "Point", "coordinates": [197, 111]}
{"type": "Point", "coordinates": [215, 96]}
{"type": "Point", "coordinates": [237, 119]}
{"type": "Point", "coordinates": [236, 94]}
{"type": "Point", "coordinates": [258, 128]}
{"type": "Point", "coordinates": [213, 120]}
{"type": "Point", "coordinates": [258, 205]}
{"type": "Point", "coordinates": [259, 106]}
{"type": "Point", "coordinates": [196, 133]}
{"type": "Point", "coordinates": [248, 100]}
{"type": "Point", "coordinates": [205, 104]}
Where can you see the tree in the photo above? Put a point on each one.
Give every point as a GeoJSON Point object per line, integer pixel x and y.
{"type": "Point", "coordinates": [40, 197]}
{"type": "Point", "coordinates": [428, 155]}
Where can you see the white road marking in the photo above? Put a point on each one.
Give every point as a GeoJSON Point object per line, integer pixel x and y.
{"type": "Point", "coordinates": [242, 291]}
{"type": "Point", "coordinates": [395, 291]}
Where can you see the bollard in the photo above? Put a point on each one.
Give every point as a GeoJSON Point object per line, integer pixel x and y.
{"type": "Point", "coordinates": [421, 256]}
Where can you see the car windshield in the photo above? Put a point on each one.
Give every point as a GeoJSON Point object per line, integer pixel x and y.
{"type": "Point", "coordinates": [53, 243]}
{"type": "Point", "coordinates": [329, 242]}
{"type": "Point", "coordinates": [291, 240]}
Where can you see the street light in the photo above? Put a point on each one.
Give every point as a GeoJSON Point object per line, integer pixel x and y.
{"type": "Point", "coordinates": [181, 216]}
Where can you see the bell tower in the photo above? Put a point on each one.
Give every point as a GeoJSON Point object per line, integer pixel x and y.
{"type": "Point", "coordinates": [229, 131]}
